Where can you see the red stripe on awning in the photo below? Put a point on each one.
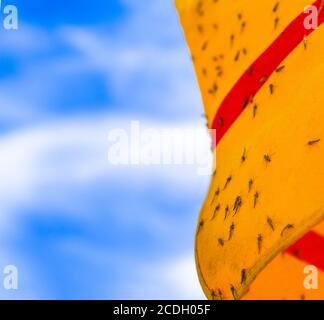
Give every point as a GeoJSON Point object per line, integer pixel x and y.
{"type": "Point", "coordinates": [309, 249]}
{"type": "Point", "coordinates": [253, 79]}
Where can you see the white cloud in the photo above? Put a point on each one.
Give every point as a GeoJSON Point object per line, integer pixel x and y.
{"type": "Point", "coordinates": [173, 279]}
{"type": "Point", "coordinates": [147, 66]}
{"type": "Point", "coordinates": [76, 151]}
{"type": "Point", "coordinates": [25, 41]}
{"type": "Point", "coordinates": [145, 59]}
{"type": "Point", "coordinates": [180, 277]}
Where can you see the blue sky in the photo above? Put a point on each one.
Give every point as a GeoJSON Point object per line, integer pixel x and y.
{"type": "Point", "coordinates": [75, 226]}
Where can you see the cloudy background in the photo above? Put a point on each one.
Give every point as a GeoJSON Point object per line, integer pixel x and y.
{"type": "Point", "coordinates": [75, 226]}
